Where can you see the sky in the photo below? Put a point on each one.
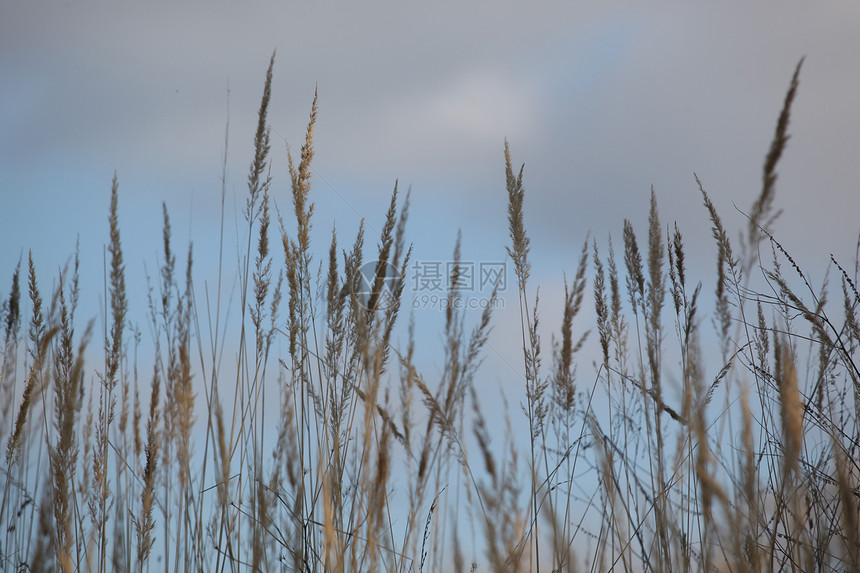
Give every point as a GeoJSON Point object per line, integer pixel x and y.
{"type": "Point", "coordinates": [601, 100]}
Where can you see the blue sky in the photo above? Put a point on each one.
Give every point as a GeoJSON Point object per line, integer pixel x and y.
{"type": "Point", "coordinates": [601, 100]}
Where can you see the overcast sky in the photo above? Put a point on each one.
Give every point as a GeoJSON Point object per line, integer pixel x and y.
{"type": "Point", "coordinates": [600, 99]}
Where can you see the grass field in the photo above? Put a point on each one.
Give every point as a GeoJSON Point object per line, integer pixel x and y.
{"type": "Point", "coordinates": [752, 466]}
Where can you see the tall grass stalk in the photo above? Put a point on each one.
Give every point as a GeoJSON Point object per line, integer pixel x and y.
{"type": "Point", "coordinates": [303, 436]}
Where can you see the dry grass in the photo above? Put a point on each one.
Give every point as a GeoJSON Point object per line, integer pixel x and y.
{"type": "Point", "coordinates": [369, 465]}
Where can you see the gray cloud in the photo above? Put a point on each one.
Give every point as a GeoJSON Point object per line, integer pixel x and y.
{"type": "Point", "coordinates": [600, 100]}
